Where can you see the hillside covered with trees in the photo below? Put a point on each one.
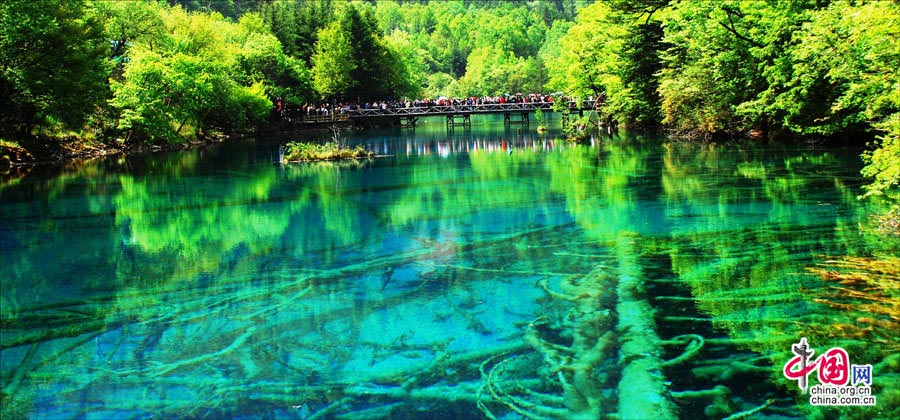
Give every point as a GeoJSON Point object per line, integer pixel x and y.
{"type": "Point", "coordinates": [137, 72]}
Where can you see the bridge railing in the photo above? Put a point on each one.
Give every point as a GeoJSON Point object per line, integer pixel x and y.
{"type": "Point", "coordinates": [315, 118]}
{"type": "Point", "coordinates": [297, 114]}
{"type": "Point", "coordinates": [415, 111]}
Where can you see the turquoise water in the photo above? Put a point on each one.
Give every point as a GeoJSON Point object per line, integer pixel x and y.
{"type": "Point", "coordinates": [472, 273]}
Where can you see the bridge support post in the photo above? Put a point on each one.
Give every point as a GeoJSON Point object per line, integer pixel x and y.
{"type": "Point", "coordinates": [523, 118]}
{"type": "Point", "coordinates": [452, 120]}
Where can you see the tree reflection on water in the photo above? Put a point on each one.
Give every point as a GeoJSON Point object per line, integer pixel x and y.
{"type": "Point", "coordinates": [483, 274]}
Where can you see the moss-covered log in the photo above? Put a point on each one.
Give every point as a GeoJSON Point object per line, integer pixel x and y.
{"type": "Point", "coordinates": [642, 387]}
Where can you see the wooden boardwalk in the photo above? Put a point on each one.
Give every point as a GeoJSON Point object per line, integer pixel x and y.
{"type": "Point", "coordinates": [517, 112]}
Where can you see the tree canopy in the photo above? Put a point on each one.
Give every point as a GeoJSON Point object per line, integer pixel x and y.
{"type": "Point", "coordinates": [53, 64]}
{"type": "Point", "coordinates": [202, 71]}
{"type": "Point", "coordinates": [783, 69]}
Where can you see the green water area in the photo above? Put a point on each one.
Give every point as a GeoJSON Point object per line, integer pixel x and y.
{"type": "Point", "coordinates": [474, 272]}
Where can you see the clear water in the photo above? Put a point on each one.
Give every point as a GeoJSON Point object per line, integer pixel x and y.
{"type": "Point", "coordinates": [472, 273]}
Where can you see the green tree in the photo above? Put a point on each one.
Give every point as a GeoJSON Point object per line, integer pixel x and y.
{"type": "Point", "coordinates": [551, 50]}
{"type": "Point", "coordinates": [296, 24]}
{"type": "Point", "coordinates": [260, 57]}
{"type": "Point", "coordinates": [201, 74]}
{"type": "Point", "coordinates": [129, 22]}
{"type": "Point", "coordinates": [406, 65]}
{"type": "Point", "coordinates": [488, 70]}
{"type": "Point", "coordinates": [503, 57]}
{"type": "Point", "coordinates": [612, 53]}
{"type": "Point", "coordinates": [439, 84]}
{"type": "Point", "coordinates": [590, 59]}
{"type": "Point", "coordinates": [53, 64]}
{"type": "Point", "coordinates": [883, 162]}
{"type": "Point", "coordinates": [333, 62]}
{"type": "Point", "coordinates": [640, 103]}
{"type": "Point", "coordinates": [162, 96]}
{"type": "Point", "coordinates": [793, 97]}
{"type": "Point", "coordinates": [371, 70]}
{"type": "Point", "coordinates": [450, 42]}
{"type": "Point", "coordinates": [232, 9]}
{"type": "Point", "coordinates": [860, 44]}
{"type": "Point", "coordinates": [708, 67]}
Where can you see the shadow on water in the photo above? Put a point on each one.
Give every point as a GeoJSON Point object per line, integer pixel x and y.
{"type": "Point", "coordinates": [482, 272]}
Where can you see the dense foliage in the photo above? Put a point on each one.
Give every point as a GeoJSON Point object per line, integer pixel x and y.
{"type": "Point", "coordinates": [52, 64]}
{"type": "Point", "coordinates": [800, 69]}
{"type": "Point", "coordinates": [202, 72]}
{"type": "Point", "coordinates": [170, 70]}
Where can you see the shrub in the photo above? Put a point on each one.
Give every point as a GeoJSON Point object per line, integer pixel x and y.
{"type": "Point", "coordinates": [304, 152]}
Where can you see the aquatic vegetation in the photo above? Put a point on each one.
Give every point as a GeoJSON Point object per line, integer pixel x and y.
{"type": "Point", "coordinates": [578, 128]}
{"type": "Point", "coordinates": [843, 302]}
{"type": "Point", "coordinates": [867, 293]}
{"type": "Point", "coordinates": [628, 279]}
{"type": "Point", "coordinates": [304, 152]}
{"type": "Point", "coordinates": [541, 120]}
{"type": "Point", "coordinates": [861, 297]}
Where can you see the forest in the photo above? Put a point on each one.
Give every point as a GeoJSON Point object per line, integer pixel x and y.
{"type": "Point", "coordinates": [92, 73]}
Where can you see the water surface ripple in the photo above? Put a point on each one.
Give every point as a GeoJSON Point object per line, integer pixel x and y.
{"type": "Point", "coordinates": [481, 272]}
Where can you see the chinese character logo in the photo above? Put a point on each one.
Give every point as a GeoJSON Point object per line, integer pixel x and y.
{"type": "Point", "coordinates": [840, 383]}
{"type": "Point", "coordinates": [833, 366]}
{"type": "Point", "coordinates": [862, 374]}
{"type": "Point", "coordinates": [802, 355]}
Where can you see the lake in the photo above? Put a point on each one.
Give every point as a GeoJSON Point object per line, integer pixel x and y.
{"type": "Point", "coordinates": [483, 272]}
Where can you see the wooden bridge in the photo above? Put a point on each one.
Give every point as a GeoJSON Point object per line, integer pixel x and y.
{"type": "Point", "coordinates": [513, 113]}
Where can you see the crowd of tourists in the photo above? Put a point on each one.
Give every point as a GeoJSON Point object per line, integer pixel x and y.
{"type": "Point", "coordinates": [328, 109]}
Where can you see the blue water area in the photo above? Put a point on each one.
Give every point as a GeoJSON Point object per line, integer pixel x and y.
{"type": "Point", "coordinates": [467, 272]}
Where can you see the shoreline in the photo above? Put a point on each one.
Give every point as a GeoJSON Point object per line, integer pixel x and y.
{"type": "Point", "coordinates": [62, 153]}
{"type": "Point", "coordinates": [50, 151]}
